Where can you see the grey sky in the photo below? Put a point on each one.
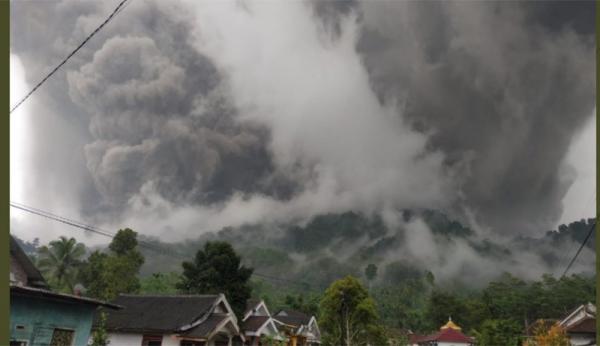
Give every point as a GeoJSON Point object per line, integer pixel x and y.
{"type": "Point", "coordinates": [183, 117]}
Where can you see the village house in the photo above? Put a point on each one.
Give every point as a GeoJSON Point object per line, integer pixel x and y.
{"type": "Point", "coordinates": [580, 325]}
{"type": "Point", "coordinates": [258, 325]}
{"type": "Point", "coordinates": [449, 334]}
{"type": "Point", "coordinates": [299, 328]}
{"type": "Point", "coordinates": [180, 320]}
{"type": "Point", "coordinates": [39, 316]}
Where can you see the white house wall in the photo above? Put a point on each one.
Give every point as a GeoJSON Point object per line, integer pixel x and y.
{"type": "Point", "coordinates": [125, 339]}
{"type": "Point", "coordinates": [580, 340]}
{"type": "Point", "coordinates": [452, 344]}
{"type": "Point", "coordinates": [129, 339]}
{"type": "Point", "coordinates": [170, 340]}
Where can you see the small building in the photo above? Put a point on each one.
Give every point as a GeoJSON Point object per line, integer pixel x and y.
{"type": "Point", "coordinates": [449, 334]}
{"type": "Point", "coordinates": [258, 325]}
{"type": "Point", "coordinates": [39, 316]}
{"type": "Point", "coordinates": [580, 325]}
{"type": "Point", "coordinates": [299, 328]}
{"type": "Point", "coordinates": [177, 320]}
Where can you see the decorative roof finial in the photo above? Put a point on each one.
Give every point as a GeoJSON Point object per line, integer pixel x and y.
{"type": "Point", "coordinates": [450, 325]}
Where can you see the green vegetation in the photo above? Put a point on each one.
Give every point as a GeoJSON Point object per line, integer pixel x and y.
{"type": "Point", "coordinates": [308, 303]}
{"type": "Point", "coordinates": [160, 283]}
{"type": "Point", "coordinates": [99, 334]}
{"type": "Point", "coordinates": [345, 244]}
{"type": "Point", "coordinates": [106, 275]}
{"type": "Point", "coordinates": [552, 336]}
{"type": "Point", "coordinates": [217, 269]}
{"type": "Point", "coordinates": [502, 309]}
{"type": "Point", "coordinates": [349, 316]}
{"type": "Point", "coordinates": [499, 332]}
{"type": "Point", "coordinates": [59, 262]}
{"type": "Point", "coordinates": [403, 294]}
{"type": "Point", "coordinates": [370, 273]}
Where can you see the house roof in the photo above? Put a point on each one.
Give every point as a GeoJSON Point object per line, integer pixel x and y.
{"type": "Point", "coordinates": [415, 338]}
{"type": "Point", "coordinates": [253, 323]}
{"type": "Point", "coordinates": [204, 329]}
{"type": "Point", "coordinates": [251, 304]}
{"type": "Point", "coordinates": [159, 313]}
{"type": "Point", "coordinates": [34, 277]}
{"type": "Point", "coordinates": [447, 335]}
{"type": "Point", "coordinates": [451, 325]}
{"type": "Point", "coordinates": [581, 312]}
{"type": "Point", "coordinates": [292, 317]}
{"type": "Point", "coordinates": [25, 291]}
{"type": "Point", "coordinates": [585, 326]}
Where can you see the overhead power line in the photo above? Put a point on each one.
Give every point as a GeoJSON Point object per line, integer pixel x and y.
{"type": "Point", "coordinates": [587, 237]}
{"type": "Point", "coordinates": [80, 225]}
{"type": "Point", "coordinates": [141, 243]}
{"type": "Point", "coordinates": [566, 254]}
{"type": "Point", "coordinates": [39, 84]}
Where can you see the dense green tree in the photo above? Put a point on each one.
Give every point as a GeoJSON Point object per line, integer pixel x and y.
{"type": "Point", "coordinates": [508, 298]}
{"type": "Point", "coordinates": [59, 261]}
{"type": "Point", "coordinates": [92, 274]}
{"type": "Point", "coordinates": [401, 305]}
{"type": "Point", "coordinates": [307, 303]}
{"type": "Point", "coordinates": [106, 275]}
{"type": "Point", "coordinates": [370, 273]}
{"type": "Point", "coordinates": [430, 278]}
{"type": "Point", "coordinates": [348, 315]}
{"type": "Point", "coordinates": [442, 305]}
{"type": "Point", "coordinates": [160, 283]}
{"type": "Point", "coordinates": [499, 332]}
{"type": "Point", "coordinates": [513, 298]}
{"type": "Point", "coordinates": [273, 296]}
{"type": "Point", "coordinates": [217, 269]}
{"type": "Point", "coordinates": [124, 242]}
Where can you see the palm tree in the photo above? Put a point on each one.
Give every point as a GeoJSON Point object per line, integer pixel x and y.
{"type": "Point", "coordinates": [60, 260]}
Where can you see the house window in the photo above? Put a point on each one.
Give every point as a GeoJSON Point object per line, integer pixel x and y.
{"type": "Point", "coordinates": [152, 340]}
{"type": "Point", "coordinates": [18, 343]}
{"type": "Point", "coordinates": [62, 337]}
{"type": "Point", "coordinates": [191, 343]}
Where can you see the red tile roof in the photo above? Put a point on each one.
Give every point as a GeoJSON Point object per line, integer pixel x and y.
{"type": "Point", "coordinates": [415, 338]}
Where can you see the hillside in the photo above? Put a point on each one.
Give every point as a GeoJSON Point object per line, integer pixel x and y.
{"type": "Point", "coordinates": [331, 246]}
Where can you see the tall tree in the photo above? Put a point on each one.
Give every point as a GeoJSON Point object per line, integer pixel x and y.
{"type": "Point", "coordinates": [93, 275]}
{"type": "Point", "coordinates": [349, 316]}
{"type": "Point", "coordinates": [442, 305]}
{"type": "Point", "coordinates": [60, 260]}
{"type": "Point", "coordinates": [106, 275]}
{"type": "Point", "coordinates": [371, 273]}
{"type": "Point", "coordinates": [160, 283]}
{"type": "Point", "coordinates": [499, 332]}
{"type": "Point", "coordinates": [307, 303]}
{"type": "Point", "coordinates": [217, 269]}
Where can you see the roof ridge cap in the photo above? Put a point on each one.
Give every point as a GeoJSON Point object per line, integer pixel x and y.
{"type": "Point", "coordinates": [169, 295]}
